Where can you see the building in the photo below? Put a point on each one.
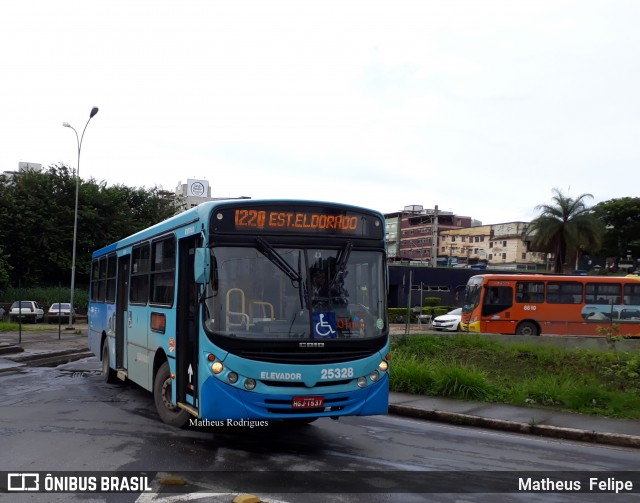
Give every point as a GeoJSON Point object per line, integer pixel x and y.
{"type": "Point", "coordinates": [500, 245]}
{"type": "Point", "coordinates": [392, 231]}
{"type": "Point", "coordinates": [412, 234]}
{"type": "Point", "coordinates": [24, 166]}
{"type": "Point", "coordinates": [194, 192]}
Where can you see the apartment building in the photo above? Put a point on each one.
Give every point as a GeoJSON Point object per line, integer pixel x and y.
{"type": "Point", "coordinates": [412, 234]}
{"type": "Point", "coordinates": [502, 245]}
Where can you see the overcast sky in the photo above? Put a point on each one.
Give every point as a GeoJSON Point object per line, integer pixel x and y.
{"type": "Point", "coordinates": [480, 107]}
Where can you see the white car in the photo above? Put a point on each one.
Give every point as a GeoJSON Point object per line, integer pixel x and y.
{"type": "Point", "coordinates": [27, 310]}
{"type": "Point", "coordinates": [59, 313]}
{"type": "Point", "coordinates": [449, 321]}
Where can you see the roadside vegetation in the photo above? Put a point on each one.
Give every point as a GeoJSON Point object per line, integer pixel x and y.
{"type": "Point", "coordinates": [37, 212]}
{"type": "Point", "coordinates": [470, 367]}
{"type": "Point", "coordinates": [6, 326]}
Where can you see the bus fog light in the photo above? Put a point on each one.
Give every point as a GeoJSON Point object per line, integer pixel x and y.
{"type": "Point", "coordinates": [249, 384]}
{"type": "Point", "coordinates": [232, 377]}
{"type": "Point", "coordinates": [362, 382]}
{"type": "Point", "coordinates": [374, 376]}
{"type": "Point", "coordinates": [217, 367]}
{"type": "Point", "coordinates": [383, 366]}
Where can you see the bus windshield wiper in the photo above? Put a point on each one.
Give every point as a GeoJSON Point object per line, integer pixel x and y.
{"type": "Point", "coordinates": [270, 252]}
{"type": "Point", "coordinates": [337, 282]}
{"type": "Point", "coordinates": [302, 285]}
{"type": "Point", "coordinates": [295, 276]}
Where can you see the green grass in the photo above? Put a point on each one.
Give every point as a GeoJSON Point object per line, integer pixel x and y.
{"type": "Point", "coordinates": [471, 367]}
{"type": "Point", "coordinates": [10, 326]}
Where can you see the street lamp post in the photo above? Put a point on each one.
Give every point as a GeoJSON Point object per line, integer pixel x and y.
{"type": "Point", "coordinates": [93, 112]}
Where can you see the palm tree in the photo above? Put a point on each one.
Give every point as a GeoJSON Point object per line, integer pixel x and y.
{"type": "Point", "coordinates": [564, 227]}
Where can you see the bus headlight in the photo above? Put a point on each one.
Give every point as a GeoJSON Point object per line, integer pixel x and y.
{"type": "Point", "coordinates": [362, 382]}
{"type": "Point", "coordinates": [217, 367]}
{"type": "Point", "coordinates": [383, 366]}
{"type": "Point", "coordinates": [249, 384]}
{"type": "Point", "coordinates": [374, 376]}
{"type": "Point", "coordinates": [232, 377]}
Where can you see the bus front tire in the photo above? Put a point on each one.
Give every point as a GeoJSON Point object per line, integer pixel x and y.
{"type": "Point", "coordinates": [108, 374]}
{"type": "Point", "coordinates": [169, 412]}
{"type": "Point", "coordinates": [527, 328]}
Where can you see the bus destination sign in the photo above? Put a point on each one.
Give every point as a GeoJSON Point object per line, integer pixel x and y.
{"type": "Point", "coordinates": [304, 221]}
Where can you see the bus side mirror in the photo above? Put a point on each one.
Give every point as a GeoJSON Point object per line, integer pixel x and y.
{"type": "Point", "coordinates": [202, 266]}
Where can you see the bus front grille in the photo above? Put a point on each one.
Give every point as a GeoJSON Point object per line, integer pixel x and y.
{"type": "Point", "coordinates": [303, 357]}
{"type": "Point", "coordinates": [288, 384]}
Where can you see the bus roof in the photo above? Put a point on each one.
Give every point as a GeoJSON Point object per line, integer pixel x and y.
{"type": "Point", "coordinates": [201, 212]}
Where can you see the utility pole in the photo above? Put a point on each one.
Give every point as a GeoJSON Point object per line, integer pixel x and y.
{"type": "Point", "coordinates": [407, 324]}
{"type": "Point", "coordinates": [434, 238]}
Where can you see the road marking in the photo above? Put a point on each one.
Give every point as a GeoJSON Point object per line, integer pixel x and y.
{"type": "Point", "coordinates": [157, 497]}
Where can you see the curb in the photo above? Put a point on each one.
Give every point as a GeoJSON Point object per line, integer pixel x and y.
{"type": "Point", "coordinates": [49, 359]}
{"type": "Point", "coordinates": [29, 357]}
{"type": "Point", "coordinates": [512, 426]}
{"type": "Point", "coordinates": [10, 349]}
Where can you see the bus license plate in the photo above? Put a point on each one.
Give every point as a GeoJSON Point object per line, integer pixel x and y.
{"type": "Point", "coordinates": [308, 402]}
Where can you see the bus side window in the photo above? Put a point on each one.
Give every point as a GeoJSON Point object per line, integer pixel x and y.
{"type": "Point", "coordinates": [497, 299]}
{"type": "Point", "coordinates": [529, 291]}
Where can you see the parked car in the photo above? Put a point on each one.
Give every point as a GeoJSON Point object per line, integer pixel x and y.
{"type": "Point", "coordinates": [59, 313]}
{"type": "Point", "coordinates": [449, 321]}
{"type": "Point", "coordinates": [27, 310]}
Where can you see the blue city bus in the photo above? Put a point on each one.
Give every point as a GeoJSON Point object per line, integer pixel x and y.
{"type": "Point", "coordinates": [248, 309]}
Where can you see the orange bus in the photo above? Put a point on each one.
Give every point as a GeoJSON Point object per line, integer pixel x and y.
{"type": "Point", "coordinates": [534, 304]}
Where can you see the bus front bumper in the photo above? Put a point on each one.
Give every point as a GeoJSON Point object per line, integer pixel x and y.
{"type": "Point", "coordinates": [220, 401]}
{"type": "Point", "coordinates": [470, 327]}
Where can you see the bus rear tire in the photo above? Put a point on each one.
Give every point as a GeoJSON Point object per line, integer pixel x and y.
{"type": "Point", "coordinates": [169, 412]}
{"type": "Point", "coordinates": [108, 374]}
{"type": "Point", "coordinates": [527, 328]}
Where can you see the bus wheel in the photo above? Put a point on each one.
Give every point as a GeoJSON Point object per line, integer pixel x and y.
{"type": "Point", "coordinates": [527, 328]}
{"type": "Point", "coordinates": [108, 374]}
{"type": "Point", "coordinates": [169, 412]}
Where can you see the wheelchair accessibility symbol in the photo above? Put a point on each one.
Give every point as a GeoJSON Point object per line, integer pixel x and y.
{"type": "Point", "coordinates": [324, 325]}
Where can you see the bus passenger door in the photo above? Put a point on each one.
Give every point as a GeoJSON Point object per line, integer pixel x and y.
{"type": "Point", "coordinates": [187, 323]}
{"type": "Point", "coordinates": [121, 314]}
{"type": "Point", "coordinates": [496, 309]}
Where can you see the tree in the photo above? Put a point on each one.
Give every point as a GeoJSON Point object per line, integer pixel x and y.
{"type": "Point", "coordinates": [5, 268]}
{"type": "Point", "coordinates": [621, 218]}
{"type": "Point", "coordinates": [37, 214]}
{"type": "Point", "coordinates": [564, 228]}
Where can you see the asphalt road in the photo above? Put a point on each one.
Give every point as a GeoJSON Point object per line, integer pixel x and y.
{"type": "Point", "coordinates": [66, 419]}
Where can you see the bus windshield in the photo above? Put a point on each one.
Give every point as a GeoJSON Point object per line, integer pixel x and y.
{"type": "Point", "coordinates": [472, 294]}
{"type": "Point", "coordinates": [268, 291]}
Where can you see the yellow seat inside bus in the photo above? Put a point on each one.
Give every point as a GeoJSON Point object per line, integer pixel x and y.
{"type": "Point", "coordinates": [241, 311]}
